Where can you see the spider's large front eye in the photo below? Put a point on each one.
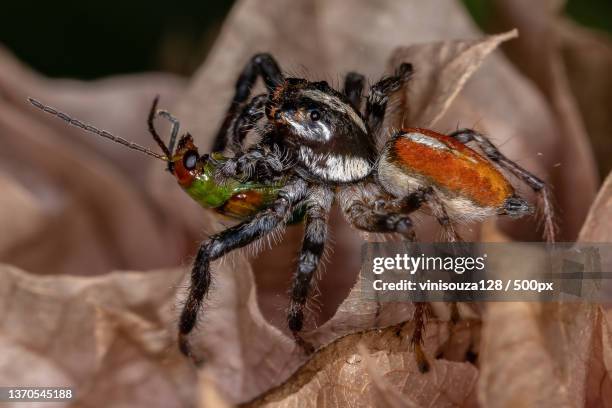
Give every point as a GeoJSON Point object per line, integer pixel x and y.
{"type": "Point", "coordinates": [315, 115]}
{"type": "Point", "coordinates": [190, 159]}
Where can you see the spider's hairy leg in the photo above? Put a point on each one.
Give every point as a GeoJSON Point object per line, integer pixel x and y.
{"type": "Point", "coordinates": [245, 122]}
{"type": "Point", "coordinates": [232, 238]}
{"type": "Point", "coordinates": [315, 233]}
{"type": "Point", "coordinates": [363, 209]}
{"type": "Point", "coordinates": [536, 184]}
{"type": "Point", "coordinates": [262, 65]}
{"type": "Point", "coordinates": [376, 103]}
{"type": "Point", "coordinates": [419, 318]}
{"type": "Point", "coordinates": [439, 211]}
{"type": "Point", "coordinates": [353, 88]}
{"type": "Point", "coordinates": [366, 207]}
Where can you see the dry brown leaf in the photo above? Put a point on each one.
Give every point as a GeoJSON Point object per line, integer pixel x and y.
{"type": "Point", "coordinates": [449, 65]}
{"type": "Point", "coordinates": [587, 55]}
{"type": "Point", "coordinates": [106, 337]}
{"type": "Point", "coordinates": [338, 375]}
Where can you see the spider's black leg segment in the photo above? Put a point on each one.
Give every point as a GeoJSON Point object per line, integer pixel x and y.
{"type": "Point", "coordinates": [536, 184]}
{"type": "Point", "coordinates": [245, 122]}
{"type": "Point", "coordinates": [315, 233]}
{"type": "Point", "coordinates": [376, 103]}
{"type": "Point", "coordinates": [232, 238]}
{"type": "Point", "coordinates": [353, 88]}
{"type": "Point", "coordinates": [262, 65]}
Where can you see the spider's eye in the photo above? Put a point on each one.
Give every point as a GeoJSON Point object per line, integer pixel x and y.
{"type": "Point", "coordinates": [315, 115]}
{"type": "Point", "coordinates": [190, 159]}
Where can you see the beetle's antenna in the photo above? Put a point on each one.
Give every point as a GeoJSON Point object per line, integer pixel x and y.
{"type": "Point", "coordinates": [92, 129]}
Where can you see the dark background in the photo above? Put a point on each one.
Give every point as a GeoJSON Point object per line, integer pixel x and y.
{"type": "Point", "coordinates": [90, 39]}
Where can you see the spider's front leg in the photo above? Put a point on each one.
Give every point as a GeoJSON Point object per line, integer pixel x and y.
{"type": "Point", "coordinates": [245, 122]}
{"type": "Point", "coordinates": [315, 233]}
{"type": "Point", "coordinates": [232, 238]}
{"type": "Point", "coordinates": [262, 65]}
{"type": "Point", "coordinates": [537, 185]}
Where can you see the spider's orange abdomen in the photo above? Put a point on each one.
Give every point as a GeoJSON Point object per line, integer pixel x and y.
{"type": "Point", "coordinates": [449, 165]}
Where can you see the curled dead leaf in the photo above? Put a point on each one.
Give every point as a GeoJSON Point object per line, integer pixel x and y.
{"type": "Point", "coordinates": [105, 337]}
{"type": "Point", "coordinates": [450, 64]}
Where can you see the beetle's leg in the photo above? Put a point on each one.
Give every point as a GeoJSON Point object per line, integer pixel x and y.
{"type": "Point", "coordinates": [153, 131]}
{"type": "Point", "coordinates": [174, 130]}
{"type": "Point", "coordinates": [376, 103]}
{"type": "Point", "coordinates": [536, 184]}
{"type": "Point", "coordinates": [245, 122]}
{"type": "Point", "coordinates": [232, 238]}
{"type": "Point", "coordinates": [262, 65]}
{"type": "Point", "coordinates": [315, 233]}
{"type": "Point", "coordinates": [353, 88]}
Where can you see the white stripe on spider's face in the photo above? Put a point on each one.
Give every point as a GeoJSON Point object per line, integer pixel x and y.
{"type": "Point", "coordinates": [314, 133]}
{"type": "Point", "coordinates": [334, 167]}
{"type": "Point", "coordinates": [335, 103]}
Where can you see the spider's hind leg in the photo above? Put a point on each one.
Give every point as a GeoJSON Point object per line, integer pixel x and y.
{"type": "Point", "coordinates": [515, 205]}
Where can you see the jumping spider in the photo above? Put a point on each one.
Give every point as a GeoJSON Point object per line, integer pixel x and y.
{"type": "Point", "coordinates": [331, 145]}
{"type": "Point", "coordinates": [315, 148]}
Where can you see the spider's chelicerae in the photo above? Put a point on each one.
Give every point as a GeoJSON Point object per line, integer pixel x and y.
{"type": "Point", "coordinates": [330, 144]}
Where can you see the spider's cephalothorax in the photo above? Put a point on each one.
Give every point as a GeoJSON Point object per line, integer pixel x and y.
{"type": "Point", "coordinates": [331, 145]}
{"type": "Point", "coordinates": [326, 134]}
